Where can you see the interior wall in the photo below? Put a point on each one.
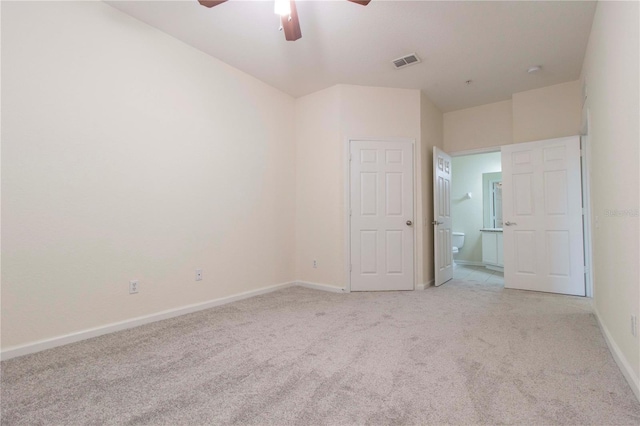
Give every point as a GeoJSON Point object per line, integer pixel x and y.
{"type": "Point", "coordinates": [431, 130]}
{"type": "Point", "coordinates": [318, 189]}
{"type": "Point", "coordinates": [467, 214]}
{"type": "Point", "coordinates": [611, 73]}
{"type": "Point", "coordinates": [326, 120]}
{"type": "Point", "coordinates": [484, 126]}
{"type": "Point", "coordinates": [128, 155]}
{"type": "Point", "coordinates": [379, 112]}
{"type": "Point", "coordinates": [546, 113]}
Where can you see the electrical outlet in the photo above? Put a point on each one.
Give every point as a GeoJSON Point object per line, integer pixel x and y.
{"type": "Point", "coordinates": [315, 263]}
{"type": "Point", "coordinates": [198, 274]}
{"type": "Point", "coordinates": [133, 287]}
{"type": "Point", "coordinates": [634, 326]}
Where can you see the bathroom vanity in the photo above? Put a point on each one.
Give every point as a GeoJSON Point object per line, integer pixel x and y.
{"type": "Point", "coordinates": [492, 221]}
{"type": "Point", "coordinates": [492, 254]}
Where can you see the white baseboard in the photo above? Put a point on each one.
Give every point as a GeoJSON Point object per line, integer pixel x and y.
{"type": "Point", "coordinates": [622, 362]}
{"type": "Point", "coordinates": [42, 345]}
{"type": "Point", "coordinates": [469, 262]}
{"type": "Point", "coordinates": [424, 286]}
{"type": "Point", "coordinates": [323, 287]}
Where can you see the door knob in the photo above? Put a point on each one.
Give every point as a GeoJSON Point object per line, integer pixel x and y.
{"type": "Point", "coordinates": [510, 223]}
{"type": "Point", "coordinates": [435, 222]}
{"type": "Point", "coordinates": [409, 223]}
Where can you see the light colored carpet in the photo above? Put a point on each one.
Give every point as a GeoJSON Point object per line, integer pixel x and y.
{"type": "Point", "coordinates": [464, 353]}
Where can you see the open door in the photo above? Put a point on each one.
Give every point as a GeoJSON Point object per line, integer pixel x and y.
{"type": "Point", "coordinates": [443, 256]}
{"type": "Point", "coordinates": [542, 211]}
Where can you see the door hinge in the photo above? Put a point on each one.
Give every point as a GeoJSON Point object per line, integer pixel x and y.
{"type": "Point", "coordinates": [584, 211]}
{"type": "Point", "coordinates": [582, 153]}
{"type": "Point", "coordinates": [350, 267]}
{"type": "Point", "coordinates": [350, 156]}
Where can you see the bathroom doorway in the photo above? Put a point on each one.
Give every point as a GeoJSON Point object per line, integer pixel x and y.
{"type": "Point", "coordinates": [476, 214]}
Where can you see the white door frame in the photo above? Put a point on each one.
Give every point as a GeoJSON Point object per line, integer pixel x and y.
{"type": "Point", "coordinates": [585, 148]}
{"type": "Point", "coordinates": [347, 205]}
{"type": "Point", "coordinates": [585, 154]}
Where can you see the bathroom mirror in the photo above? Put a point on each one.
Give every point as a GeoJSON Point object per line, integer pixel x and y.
{"type": "Point", "coordinates": [492, 199]}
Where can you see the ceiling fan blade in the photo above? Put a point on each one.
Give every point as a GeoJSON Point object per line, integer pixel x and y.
{"type": "Point", "coordinates": [362, 2]}
{"type": "Point", "coordinates": [291, 24]}
{"type": "Point", "coordinates": [211, 3]}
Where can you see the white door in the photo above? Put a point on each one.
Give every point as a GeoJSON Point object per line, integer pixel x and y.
{"type": "Point", "coordinates": [381, 203]}
{"type": "Point", "coordinates": [443, 256]}
{"type": "Point", "coordinates": [542, 211]}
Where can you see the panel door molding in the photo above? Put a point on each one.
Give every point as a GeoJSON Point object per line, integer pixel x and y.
{"type": "Point", "coordinates": [381, 205]}
{"type": "Point", "coordinates": [542, 209]}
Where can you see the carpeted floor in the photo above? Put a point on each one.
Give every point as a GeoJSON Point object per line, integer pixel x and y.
{"type": "Point", "coordinates": [464, 353]}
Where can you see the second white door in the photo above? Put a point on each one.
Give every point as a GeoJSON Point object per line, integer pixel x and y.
{"type": "Point", "coordinates": [542, 209]}
{"type": "Point", "coordinates": [381, 213]}
{"type": "Point", "coordinates": [443, 254]}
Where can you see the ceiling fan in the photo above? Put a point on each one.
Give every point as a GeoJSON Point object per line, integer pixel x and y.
{"type": "Point", "coordinates": [288, 15]}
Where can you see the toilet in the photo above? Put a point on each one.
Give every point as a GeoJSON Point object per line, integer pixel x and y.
{"type": "Point", "coordinates": [457, 241]}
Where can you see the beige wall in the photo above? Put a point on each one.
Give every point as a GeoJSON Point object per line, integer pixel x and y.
{"type": "Point", "coordinates": [319, 201]}
{"type": "Point", "coordinates": [611, 71]}
{"type": "Point", "coordinates": [325, 121]}
{"type": "Point", "coordinates": [546, 113]}
{"type": "Point", "coordinates": [480, 127]}
{"type": "Point", "coordinates": [378, 112]}
{"type": "Point", "coordinates": [467, 214]}
{"type": "Point", "coordinates": [432, 135]}
{"type": "Point", "coordinates": [138, 157]}
{"type": "Point", "coordinates": [128, 155]}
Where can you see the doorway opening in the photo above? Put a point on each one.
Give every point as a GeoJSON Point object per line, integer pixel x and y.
{"type": "Point", "coordinates": [476, 215]}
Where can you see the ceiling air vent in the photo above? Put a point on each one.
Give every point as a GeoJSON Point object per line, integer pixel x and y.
{"type": "Point", "coordinates": [406, 61]}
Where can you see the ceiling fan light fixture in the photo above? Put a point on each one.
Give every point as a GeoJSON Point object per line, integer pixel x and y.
{"type": "Point", "coordinates": [282, 7]}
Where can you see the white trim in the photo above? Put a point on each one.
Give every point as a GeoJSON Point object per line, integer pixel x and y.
{"type": "Point", "coordinates": [468, 262]}
{"type": "Point", "coordinates": [585, 148]}
{"type": "Point", "coordinates": [486, 150]}
{"type": "Point", "coordinates": [347, 211]}
{"type": "Point", "coordinates": [347, 204]}
{"type": "Point", "coordinates": [323, 287]}
{"type": "Point", "coordinates": [42, 345]}
{"type": "Point", "coordinates": [426, 285]}
{"type": "Point", "coordinates": [619, 358]}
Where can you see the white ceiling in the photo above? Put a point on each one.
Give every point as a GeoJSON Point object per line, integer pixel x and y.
{"type": "Point", "coordinates": [491, 43]}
